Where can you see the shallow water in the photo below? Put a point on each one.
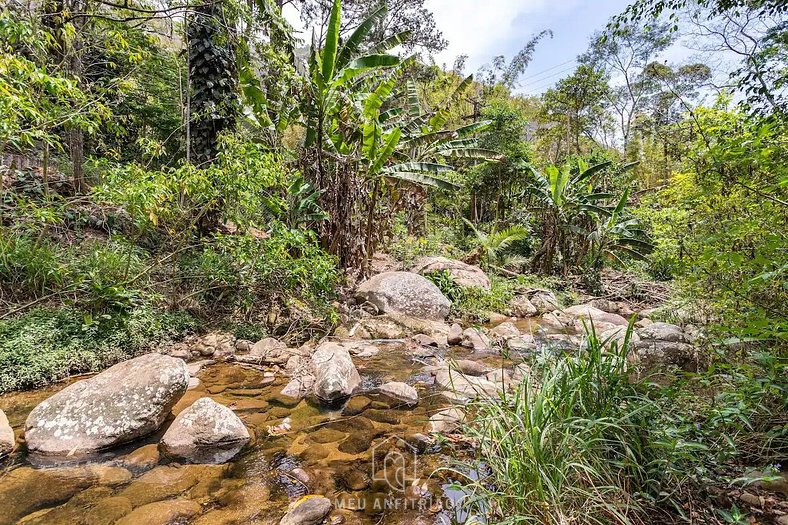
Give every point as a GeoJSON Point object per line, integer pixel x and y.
{"type": "Point", "coordinates": [341, 449]}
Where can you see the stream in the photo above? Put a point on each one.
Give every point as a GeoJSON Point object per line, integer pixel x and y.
{"type": "Point", "coordinates": [338, 452]}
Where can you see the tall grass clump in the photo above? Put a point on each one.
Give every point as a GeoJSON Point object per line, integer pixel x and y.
{"type": "Point", "coordinates": [577, 442]}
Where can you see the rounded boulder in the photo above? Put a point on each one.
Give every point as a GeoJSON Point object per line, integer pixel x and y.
{"type": "Point", "coordinates": [125, 402]}
{"type": "Point", "coordinates": [405, 293]}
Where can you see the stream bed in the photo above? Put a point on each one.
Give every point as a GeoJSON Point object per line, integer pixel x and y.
{"type": "Point", "coordinates": [298, 448]}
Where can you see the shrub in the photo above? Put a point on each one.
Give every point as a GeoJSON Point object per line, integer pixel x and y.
{"type": "Point", "coordinates": [439, 241]}
{"type": "Point", "coordinates": [90, 275]}
{"type": "Point", "coordinates": [247, 271]}
{"type": "Point", "coordinates": [476, 303]}
{"type": "Point", "coordinates": [43, 346]}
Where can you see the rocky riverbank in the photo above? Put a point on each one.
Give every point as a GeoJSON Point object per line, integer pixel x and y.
{"type": "Point", "coordinates": [221, 430]}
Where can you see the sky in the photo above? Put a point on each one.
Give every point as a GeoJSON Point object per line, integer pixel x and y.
{"type": "Point", "coordinates": [483, 29]}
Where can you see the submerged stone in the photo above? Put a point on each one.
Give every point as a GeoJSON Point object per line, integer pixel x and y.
{"type": "Point", "coordinates": [308, 510]}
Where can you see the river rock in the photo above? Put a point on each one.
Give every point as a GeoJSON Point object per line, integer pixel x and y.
{"type": "Point", "coordinates": [586, 311]}
{"type": "Point", "coordinates": [424, 340]}
{"type": "Point", "coordinates": [523, 343]}
{"type": "Point", "coordinates": [142, 459]}
{"type": "Point", "coordinates": [269, 351]}
{"type": "Point", "coordinates": [473, 338]}
{"type": "Point", "coordinates": [206, 432]}
{"type": "Point", "coordinates": [128, 401]}
{"type": "Point", "coordinates": [404, 292]}
{"type": "Point", "coordinates": [465, 275]}
{"type": "Point", "coordinates": [652, 353]}
{"type": "Point", "coordinates": [543, 300]}
{"type": "Point", "coordinates": [471, 368]}
{"type": "Point", "coordinates": [336, 376]}
{"type": "Point", "coordinates": [25, 489]}
{"type": "Point", "coordinates": [218, 345]}
{"type": "Point", "coordinates": [617, 334]}
{"type": "Point", "coordinates": [401, 392]}
{"type": "Point", "coordinates": [7, 439]}
{"type": "Point", "coordinates": [299, 387]}
{"type": "Point", "coordinates": [555, 320]}
{"type": "Point", "coordinates": [521, 306]}
{"type": "Point", "coordinates": [308, 510]}
{"type": "Point", "coordinates": [505, 331]}
{"type": "Point", "coordinates": [162, 513]}
{"type": "Point", "coordinates": [455, 334]}
{"type": "Point", "coordinates": [469, 387]}
{"type": "Point", "coordinates": [447, 420]}
{"type": "Point", "coordinates": [663, 332]}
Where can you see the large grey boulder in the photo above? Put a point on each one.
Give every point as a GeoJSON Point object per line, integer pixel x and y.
{"type": "Point", "coordinates": [336, 376]}
{"type": "Point", "coordinates": [447, 420]}
{"type": "Point", "coordinates": [7, 439]}
{"type": "Point", "coordinates": [464, 275]}
{"type": "Point", "coordinates": [521, 306]}
{"type": "Point", "coordinates": [543, 300]}
{"type": "Point", "coordinates": [665, 344]}
{"type": "Point", "coordinates": [406, 293]}
{"type": "Point", "coordinates": [476, 339]}
{"type": "Point", "coordinates": [454, 337]}
{"type": "Point", "coordinates": [617, 334]}
{"type": "Point", "coordinates": [206, 432]}
{"type": "Point", "coordinates": [125, 402]}
{"type": "Point", "coordinates": [269, 351]}
{"type": "Point", "coordinates": [467, 386]}
{"type": "Point", "coordinates": [651, 353]}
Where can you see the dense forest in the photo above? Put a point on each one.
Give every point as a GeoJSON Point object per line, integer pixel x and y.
{"type": "Point", "coordinates": [243, 265]}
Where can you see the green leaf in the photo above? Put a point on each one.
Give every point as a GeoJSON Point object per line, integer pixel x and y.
{"type": "Point", "coordinates": [475, 127]}
{"type": "Point", "coordinates": [469, 153]}
{"type": "Point", "coordinates": [332, 40]}
{"type": "Point", "coordinates": [586, 174]}
{"type": "Point", "coordinates": [390, 42]}
{"type": "Point", "coordinates": [375, 100]}
{"type": "Point", "coordinates": [414, 107]}
{"type": "Point", "coordinates": [354, 41]}
{"type": "Point", "coordinates": [424, 180]}
{"type": "Point", "coordinates": [425, 167]}
{"type": "Point", "coordinates": [388, 149]}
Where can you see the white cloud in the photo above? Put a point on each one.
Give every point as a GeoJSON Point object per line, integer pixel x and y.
{"type": "Point", "coordinates": [485, 28]}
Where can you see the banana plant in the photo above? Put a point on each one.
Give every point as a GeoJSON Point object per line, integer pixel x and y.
{"type": "Point", "coordinates": [334, 68]}
{"type": "Point", "coordinates": [492, 245]}
{"type": "Point", "coordinates": [366, 133]}
{"type": "Point", "coordinates": [619, 234]}
{"type": "Point", "coordinates": [572, 214]}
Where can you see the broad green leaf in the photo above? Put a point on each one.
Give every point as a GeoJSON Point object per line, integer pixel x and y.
{"type": "Point", "coordinates": [414, 107]}
{"type": "Point", "coordinates": [332, 40]}
{"type": "Point", "coordinates": [390, 42]}
{"type": "Point", "coordinates": [354, 41]}
{"type": "Point", "coordinates": [587, 173]}
{"type": "Point", "coordinates": [391, 143]}
{"type": "Point", "coordinates": [425, 180]}
{"type": "Point", "coordinates": [427, 167]}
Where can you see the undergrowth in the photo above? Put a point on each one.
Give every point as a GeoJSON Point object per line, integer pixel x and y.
{"type": "Point", "coordinates": [580, 440]}
{"type": "Point", "coordinates": [43, 346]}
